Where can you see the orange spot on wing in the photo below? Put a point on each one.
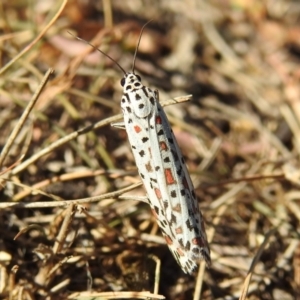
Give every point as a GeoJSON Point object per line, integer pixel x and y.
{"type": "Point", "coordinates": [157, 193]}
{"type": "Point", "coordinates": [199, 241]}
{"type": "Point", "coordinates": [169, 176]}
{"type": "Point", "coordinates": [180, 252]}
{"type": "Point", "coordinates": [158, 120]}
{"type": "Point", "coordinates": [168, 240]}
{"type": "Point", "coordinates": [163, 146]}
{"type": "Point", "coordinates": [137, 128]}
{"type": "Point", "coordinates": [178, 230]}
{"type": "Point", "coordinates": [177, 208]}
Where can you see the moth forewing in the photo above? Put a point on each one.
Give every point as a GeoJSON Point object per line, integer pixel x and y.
{"type": "Point", "coordinates": [181, 207]}
{"type": "Point", "coordinates": [166, 179]}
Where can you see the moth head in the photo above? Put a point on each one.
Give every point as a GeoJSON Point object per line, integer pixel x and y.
{"type": "Point", "coordinates": [131, 81]}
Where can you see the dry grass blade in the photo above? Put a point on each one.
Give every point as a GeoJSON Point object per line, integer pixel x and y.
{"type": "Point", "coordinates": [117, 295]}
{"type": "Point", "coordinates": [36, 188]}
{"type": "Point", "coordinates": [64, 228]}
{"type": "Point", "coordinates": [157, 273]}
{"type": "Point", "coordinates": [254, 262]}
{"type": "Point", "coordinates": [23, 118]}
{"type": "Point", "coordinates": [199, 281]}
{"type": "Point", "coordinates": [67, 202]}
{"type": "Point", "coordinates": [296, 263]}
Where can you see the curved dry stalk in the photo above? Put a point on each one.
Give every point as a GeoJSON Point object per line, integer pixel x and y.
{"type": "Point", "coordinates": [254, 262]}
{"type": "Point", "coordinates": [157, 273]}
{"type": "Point", "coordinates": [36, 188]}
{"type": "Point", "coordinates": [67, 202]}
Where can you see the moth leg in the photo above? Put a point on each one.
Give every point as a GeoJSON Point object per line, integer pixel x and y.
{"type": "Point", "coordinates": [119, 125]}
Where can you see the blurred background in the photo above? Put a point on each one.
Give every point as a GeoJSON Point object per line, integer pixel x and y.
{"type": "Point", "coordinates": [239, 134]}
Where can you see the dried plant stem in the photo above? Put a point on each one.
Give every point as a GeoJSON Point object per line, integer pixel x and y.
{"type": "Point", "coordinates": [199, 281]}
{"type": "Point", "coordinates": [23, 118]}
{"type": "Point", "coordinates": [64, 230]}
{"type": "Point", "coordinates": [67, 202]}
{"type": "Point", "coordinates": [157, 273]}
{"type": "Point", "coordinates": [254, 262]}
{"type": "Point", "coordinates": [108, 16]}
{"type": "Point", "coordinates": [117, 295]}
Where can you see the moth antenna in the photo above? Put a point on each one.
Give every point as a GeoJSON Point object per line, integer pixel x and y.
{"type": "Point", "coordinates": [82, 40]}
{"type": "Point", "coordinates": [138, 44]}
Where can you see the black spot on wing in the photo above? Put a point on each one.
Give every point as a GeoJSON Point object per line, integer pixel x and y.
{"type": "Point", "coordinates": [166, 204]}
{"type": "Point", "coordinates": [189, 225]}
{"type": "Point", "coordinates": [181, 243]}
{"type": "Point", "coordinates": [173, 219]}
{"type": "Point", "coordinates": [167, 159]}
{"type": "Point", "coordinates": [171, 141]}
{"type": "Point", "coordinates": [179, 171]}
{"type": "Point", "coordinates": [142, 153]}
{"type": "Point", "coordinates": [188, 246]}
{"type": "Point", "coordinates": [196, 250]}
{"type": "Point", "coordinates": [152, 100]}
{"type": "Point", "coordinates": [175, 155]}
{"type": "Point", "coordinates": [125, 98]}
{"type": "Point", "coordinates": [145, 91]}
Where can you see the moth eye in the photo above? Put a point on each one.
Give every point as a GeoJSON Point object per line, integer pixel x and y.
{"type": "Point", "coordinates": [138, 77]}
{"type": "Point", "coordinates": [122, 81]}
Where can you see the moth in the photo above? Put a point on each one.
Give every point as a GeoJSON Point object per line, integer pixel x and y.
{"type": "Point", "coordinates": [162, 168]}
{"type": "Point", "coordinates": [163, 171]}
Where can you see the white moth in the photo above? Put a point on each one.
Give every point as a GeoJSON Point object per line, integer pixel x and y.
{"type": "Point", "coordinates": [163, 171]}
{"type": "Point", "coordinates": [166, 179]}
